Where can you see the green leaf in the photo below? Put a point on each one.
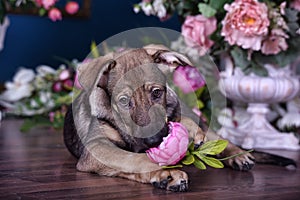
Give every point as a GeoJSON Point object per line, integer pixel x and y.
{"type": "Point", "coordinates": [172, 166]}
{"type": "Point", "coordinates": [291, 14]}
{"type": "Point", "coordinates": [213, 147]}
{"type": "Point", "coordinates": [239, 154]}
{"type": "Point", "coordinates": [200, 104]}
{"type": "Point", "coordinates": [191, 146]}
{"type": "Point", "coordinates": [188, 160]}
{"type": "Point", "coordinates": [199, 164]}
{"type": "Point", "coordinates": [240, 58]}
{"type": "Point", "coordinates": [200, 91]}
{"type": "Point", "coordinates": [206, 10]}
{"type": "Point", "coordinates": [42, 11]}
{"type": "Point", "coordinates": [94, 49]}
{"type": "Point", "coordinates": [218, 4]}
{"type": "Point", "coordinates": [213, 162]}
{"type": "Point", "coordinates": [30, 123]}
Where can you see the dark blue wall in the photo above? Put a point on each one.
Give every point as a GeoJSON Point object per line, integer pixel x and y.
{"type": "Point", "coordinates": [31, 41]}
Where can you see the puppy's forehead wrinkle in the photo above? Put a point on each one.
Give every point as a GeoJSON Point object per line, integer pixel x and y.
{"type": "Point", "coordinates": [134, 69]}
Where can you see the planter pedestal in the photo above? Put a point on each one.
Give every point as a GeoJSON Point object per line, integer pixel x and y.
{"type": "Point", "coordinates": [258, 92]}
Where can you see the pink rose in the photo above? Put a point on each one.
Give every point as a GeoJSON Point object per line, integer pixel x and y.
{"type": "Point", "coordinates": [295, 4]}
{"type": "Point", "coordinates": [188, 79]}
{"type": "Point", "coordinates": [173, 148]}
{"type": "Point", "coordinates": [48, 3]}
{"type": "Point", "coordinates": [72, 7]}
{"type": "Point", "coordinates": [245, 24]}
{"type": "Point", "coordinates": [196, 31]}
{"type": "Point", "coordinates": [54, 14]}
{"type": "Point", "coordinates": [275, 42]}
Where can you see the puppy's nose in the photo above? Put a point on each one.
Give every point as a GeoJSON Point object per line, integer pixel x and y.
{"type": "Point", "coordinates": [141, 117]}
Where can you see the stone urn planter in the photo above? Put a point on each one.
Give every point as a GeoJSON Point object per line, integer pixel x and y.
{"type": "Point", "coordinates": [258, 92]}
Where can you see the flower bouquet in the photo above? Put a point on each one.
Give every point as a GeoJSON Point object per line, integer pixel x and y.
{"type": "Point", "coordinates": [252, 32]}
{"type": "Point", "coordinates": [43, 7]}
{"type": "Point", "coordinates": [252, 35]}
{"type": "Point", "coordinates": [41, 97]}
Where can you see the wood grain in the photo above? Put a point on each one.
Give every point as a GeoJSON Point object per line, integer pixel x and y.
{"type": "Point", "coordinates": [36, 165]}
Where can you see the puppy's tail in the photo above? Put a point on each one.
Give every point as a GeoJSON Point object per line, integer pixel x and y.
{"type": "Point", "coordinates": [271, 159]}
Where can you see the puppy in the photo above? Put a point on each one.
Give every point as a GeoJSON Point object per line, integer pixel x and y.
{"type": "Point", "coordinates": [123, 110]}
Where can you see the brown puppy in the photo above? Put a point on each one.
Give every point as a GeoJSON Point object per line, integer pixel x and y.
{"type": "Point", "coordinates": [123, 110]}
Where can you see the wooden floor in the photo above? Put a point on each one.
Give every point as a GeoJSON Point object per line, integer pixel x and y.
{"type": "Point", "coordinates": [36, 165]}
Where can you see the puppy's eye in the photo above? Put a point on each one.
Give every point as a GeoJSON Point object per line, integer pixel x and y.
{"type": "Point", "coordinates": [124, 100]}
{"type": "Point", "coordinates": [156, 93]}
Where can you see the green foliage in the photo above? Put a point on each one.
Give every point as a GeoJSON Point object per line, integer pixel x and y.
{"type": "Point", "coordinates": [213, 147]}
{"type": "Point", "coordinates": [172, 166]}
{"type": "Point", "coordinates": [2, 11]}
{"type": "Point", "coordinates": [199, 164]}
{"type": "Point", "coordinates": [94, 49]}
{"type": "Point", "coordinates": [206, 10]}
{"type": "Point", "coordinates": [36, 121]}
{"type": "Point", "coordinates": [203, 154]}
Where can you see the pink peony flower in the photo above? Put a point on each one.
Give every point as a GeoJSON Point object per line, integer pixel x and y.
{"type": "Point", "coordinates": [54, 14]}
{"type": "Point", "coordinates": [295, 4]}
{"type": "Point", "coordinates": [245, 24]}
{"type": "Point", "coordinates": [173, 148]}
{"type": "Point", "coordinates": [196, 31]}
{"type": "Point", "coordinates": [72, 7]}
{"type": "Point", "coordinates": [47, 4]}
{"type": "Point", "coordinates": [275, 42]}
{"type": "Point", "coordinates": [188, 79]}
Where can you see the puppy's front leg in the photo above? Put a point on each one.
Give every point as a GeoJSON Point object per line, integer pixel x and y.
{"type": "Point", "coordinates": [195, 132]}
{"type": "Point", "coordinates": [100, 155]}
{"type": "Point", "coordinates": [133, 166]}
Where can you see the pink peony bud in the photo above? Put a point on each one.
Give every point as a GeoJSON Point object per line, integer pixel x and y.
{"type": "Point", "coordinates": [72, 7]}
{"type": "Point", "coordinates": [188, 79]}
{"type": "Point", "coordinates": [64, 75]}
{"type": "Point", "coordinates": [173, 147]}
{"type": "Point", "coordinates": [68, 84]}
{"type": "Point", "coordinates": [51, 116]}
{"type": "Point", "coordinates": [54, 14]}
{"type": "Point", "coordinates": [57, 87]}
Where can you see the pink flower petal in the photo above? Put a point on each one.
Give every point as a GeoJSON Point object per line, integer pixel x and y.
{"type": "Point", "coordinates": [173, 148]}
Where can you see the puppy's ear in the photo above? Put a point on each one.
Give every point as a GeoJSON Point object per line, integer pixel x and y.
{"type": "Point", "coordinates": [162, 54]}
{"type": "Point", "coordinates": [99, 100]}
{"type": "Point", "coordinates": [89, 72]}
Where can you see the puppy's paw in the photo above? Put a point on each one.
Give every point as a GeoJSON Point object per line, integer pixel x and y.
{"type": "Point", "coordinates": [173, 180]}
{"type": "Point", "coordinates": [244, 162]}
{"type": "Point", "coordinates": [199, 139]}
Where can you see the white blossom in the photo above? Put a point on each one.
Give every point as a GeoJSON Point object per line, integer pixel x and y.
{"type": "Point", "coordinates": [43, 70]}
{"type": "Point", "coordinates": [159, 8]}
{"type": "Point", "coordinates": [147, 8]}
{"type": "Point", "coordinates": [20, 87]}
